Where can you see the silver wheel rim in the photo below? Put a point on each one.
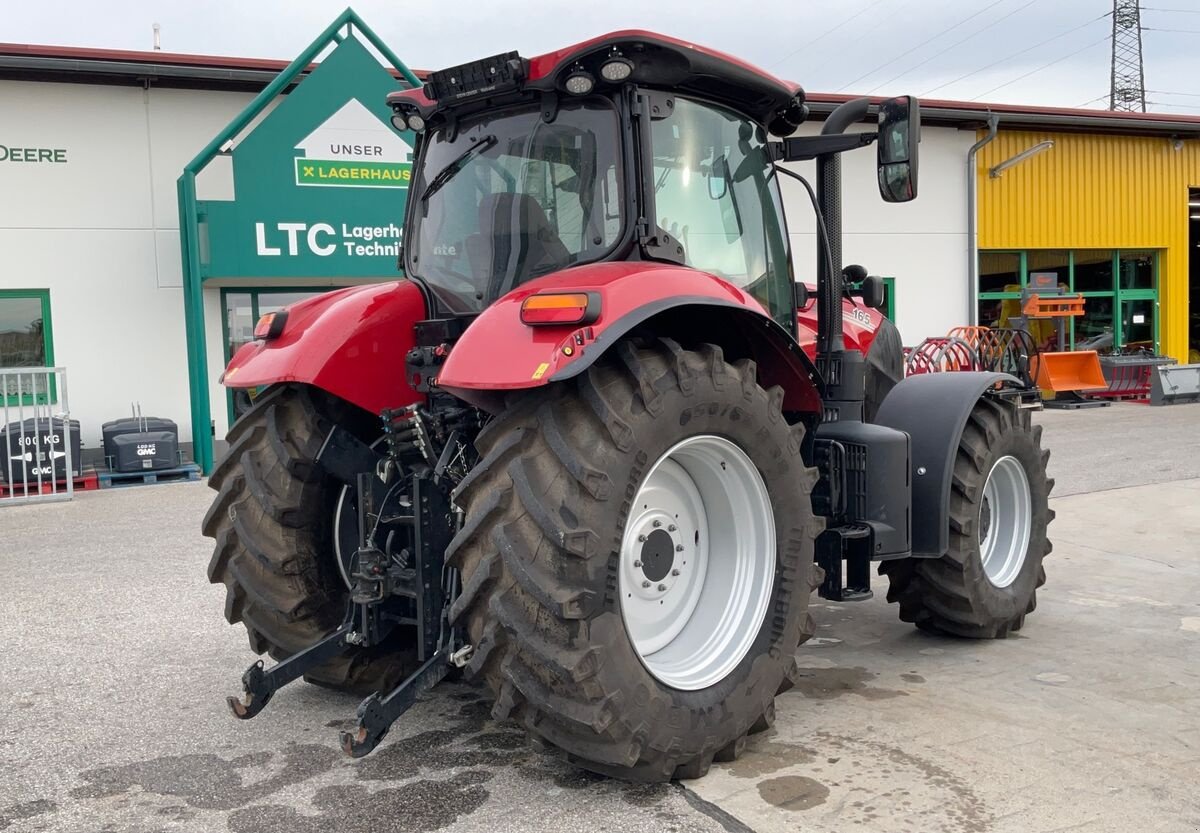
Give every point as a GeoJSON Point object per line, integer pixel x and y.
{"type": "Point", "coordinates": [1005, 521]}
{"type": "Point", "coordinates": [697, 562]}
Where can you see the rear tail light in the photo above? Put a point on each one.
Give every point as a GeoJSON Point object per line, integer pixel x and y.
{"type": "Point", "coordinates": [561, 308]}
{"type": "Point", "coordinates": [270, 325]}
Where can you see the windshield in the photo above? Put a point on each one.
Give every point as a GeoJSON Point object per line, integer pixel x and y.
{"type": "Point", "coordinates": [512, 197]}
{"type": "Point", "coordinates": [716, 192]}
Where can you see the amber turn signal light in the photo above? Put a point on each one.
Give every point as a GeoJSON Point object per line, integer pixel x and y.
{"type": "Point", "coordinates": [560, 308]}
{"type": "Point", "coordinates": [270, 325]}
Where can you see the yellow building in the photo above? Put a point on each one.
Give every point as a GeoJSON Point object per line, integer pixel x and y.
{"type": "Point", "coordinates": [1110, 203]}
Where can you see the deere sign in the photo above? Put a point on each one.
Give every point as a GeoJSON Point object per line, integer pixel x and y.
{"type": "Point", "coordinates": [320, 184]}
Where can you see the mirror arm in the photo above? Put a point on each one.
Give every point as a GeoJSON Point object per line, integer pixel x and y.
{"type": "Point", "coordinates": [803, 148]}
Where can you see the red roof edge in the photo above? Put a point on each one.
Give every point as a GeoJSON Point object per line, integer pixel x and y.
{"type": "Point", "coordinates": [81, 53]}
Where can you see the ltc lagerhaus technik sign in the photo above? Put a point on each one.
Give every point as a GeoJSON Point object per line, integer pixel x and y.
{"type": "Point", "coordinates": [320, 185]}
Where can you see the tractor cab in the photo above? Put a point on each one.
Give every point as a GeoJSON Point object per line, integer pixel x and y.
{"type": "Point", "coordinates": [631, 146]}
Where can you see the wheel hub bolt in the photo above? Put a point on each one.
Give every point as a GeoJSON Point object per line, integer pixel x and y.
{"type": "Point", "coordinates": [671, 528]}
{"type": "Point", "coordinates": [645, 584]}
{"type": "Point", "coordinates": [641, 539]}
{"type": "Point", "coordinates": [674, 572]}
{"type": "Point", "coordinates": [637, 564]}
{"type": "Point", "coordinates": [657, 524]}
{"type": "Point", "coordinates": [662, 587]}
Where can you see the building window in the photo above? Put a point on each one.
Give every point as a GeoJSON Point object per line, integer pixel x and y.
{"type": "Point", "coordinates": [1120, 288]}
{"type": "Point", "coordinates": [240, 311]}
{"type": "Point", "coordinates": [26, 340]}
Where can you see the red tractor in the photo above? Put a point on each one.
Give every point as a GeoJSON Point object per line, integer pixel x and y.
{"type": "Point", "coordinates": [598, 447]}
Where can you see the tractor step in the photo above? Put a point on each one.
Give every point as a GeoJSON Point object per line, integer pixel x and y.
{"type": "Point", "coordinates": [831, 550]}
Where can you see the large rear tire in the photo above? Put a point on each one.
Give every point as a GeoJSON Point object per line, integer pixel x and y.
{"type": "Point", "coordinates": [273, 524]}
{"type": "Point", "coordinates": [556, 511]}
{"type": "Point", "coordinates": [987, 583]}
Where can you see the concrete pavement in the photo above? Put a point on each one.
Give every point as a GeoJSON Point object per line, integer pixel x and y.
{"type": "Point", "coordinates": [114, 661]}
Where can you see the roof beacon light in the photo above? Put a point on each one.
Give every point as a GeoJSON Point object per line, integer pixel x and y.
{"type": "Point", "coordinates": [579, 82]}
{"type": "Point", "coordinates": [616, 69]}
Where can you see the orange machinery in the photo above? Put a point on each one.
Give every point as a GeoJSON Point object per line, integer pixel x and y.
{"type": "Point", "coordinates": [1060, 374]}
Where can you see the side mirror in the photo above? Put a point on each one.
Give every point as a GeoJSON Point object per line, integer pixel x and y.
{"type": "Point", "coordinates": [873, 292]}
{"type": "Point", "coordinates": [899, 136]}
{"type": "Point", "coordinates": [801, 295]}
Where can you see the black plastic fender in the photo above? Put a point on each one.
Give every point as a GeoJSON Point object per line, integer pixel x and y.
{"type": "Point", "coordinates": [932, 409]}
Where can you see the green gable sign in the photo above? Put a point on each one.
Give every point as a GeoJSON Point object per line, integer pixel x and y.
{"type": "Point", "coordinates": [320, 184]}
{"type": "Point", "coordinates": [319, 188]}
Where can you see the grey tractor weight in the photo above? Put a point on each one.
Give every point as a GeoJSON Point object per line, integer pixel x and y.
{"type": "Point", "coordinates": [132, 442]}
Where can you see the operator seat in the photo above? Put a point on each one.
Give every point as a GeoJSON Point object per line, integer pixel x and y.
{"type": "Point", "coordinates": [522, 242]}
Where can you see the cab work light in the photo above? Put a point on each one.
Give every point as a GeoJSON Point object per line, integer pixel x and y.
{"type": "Point", "coordinates": [270, 325]}
{"type": "Point", "coordinates": [560, 308]}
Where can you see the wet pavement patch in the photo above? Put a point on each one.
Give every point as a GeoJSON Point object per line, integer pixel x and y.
{"type": "Point", "coordinates": [209, 782]}
{"type": "Point", "coordinates": [793, 792]}
{"type": "Point", "coordinates": [26, 810]}
{"type": "Point", "coordinates": [414, 806]}
{"type": "Point", "coordinates": [945, 794]}
{"type": "Point", "coordinates": [762, 757]}
{"type": "Point", "coordinates": [828, 683]}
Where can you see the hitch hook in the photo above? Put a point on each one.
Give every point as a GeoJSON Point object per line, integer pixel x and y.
{"type": "Point", "coordinates": [377, 714]}
{"type": "Point", "coordinates": [257, 693]}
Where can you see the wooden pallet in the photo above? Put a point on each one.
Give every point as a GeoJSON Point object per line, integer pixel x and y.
{"type": "Point", "coordinates": [85, 482]}
{"type": "Point", "coordinates": [120, 479]}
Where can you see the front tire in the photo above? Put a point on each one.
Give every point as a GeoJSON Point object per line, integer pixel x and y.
{"type": "Point", "coordinates": [272, 521]}
{"type": "Point", "coordinates": [551, 510]}
{"type": "Point", "coordinates": [987, 583]}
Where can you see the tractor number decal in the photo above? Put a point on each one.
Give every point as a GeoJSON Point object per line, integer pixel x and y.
{"type": "Point", "coordinates": [541, 370]}
{"type": "Point", "coordinates": [860, 316]}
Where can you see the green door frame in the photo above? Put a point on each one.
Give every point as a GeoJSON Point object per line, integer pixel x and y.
{"type": "Point", "coordinates": [42, 295]}
{"type": "Point", "coordinates": [889, 299]}
{"type": "Point", "coordinates": [189, 219]}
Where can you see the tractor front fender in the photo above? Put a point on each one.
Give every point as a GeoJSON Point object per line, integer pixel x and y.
{"type": "Point", "coordinates": [500, 353]}
{"type": "Point", "coordinates": [932, 408]}
{"type": "Point", "coordinates": [350, 342]}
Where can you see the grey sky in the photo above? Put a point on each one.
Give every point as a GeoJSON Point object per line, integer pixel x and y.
{"type": "Point", "coordinates": [851, 45]}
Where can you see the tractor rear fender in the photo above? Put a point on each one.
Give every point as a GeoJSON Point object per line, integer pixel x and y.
{"type": "Point", "coordinates": [500, 353]}
{"type": "Point", "coordinates": [350, 342]}
{"type": "Point", "coordinates": [932, 408]}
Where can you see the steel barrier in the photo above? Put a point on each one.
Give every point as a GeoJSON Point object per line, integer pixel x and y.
{"type": "Point", "coordinates": [1175, 384]}
{"type": "Point", "coordinates": [39, 439]}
